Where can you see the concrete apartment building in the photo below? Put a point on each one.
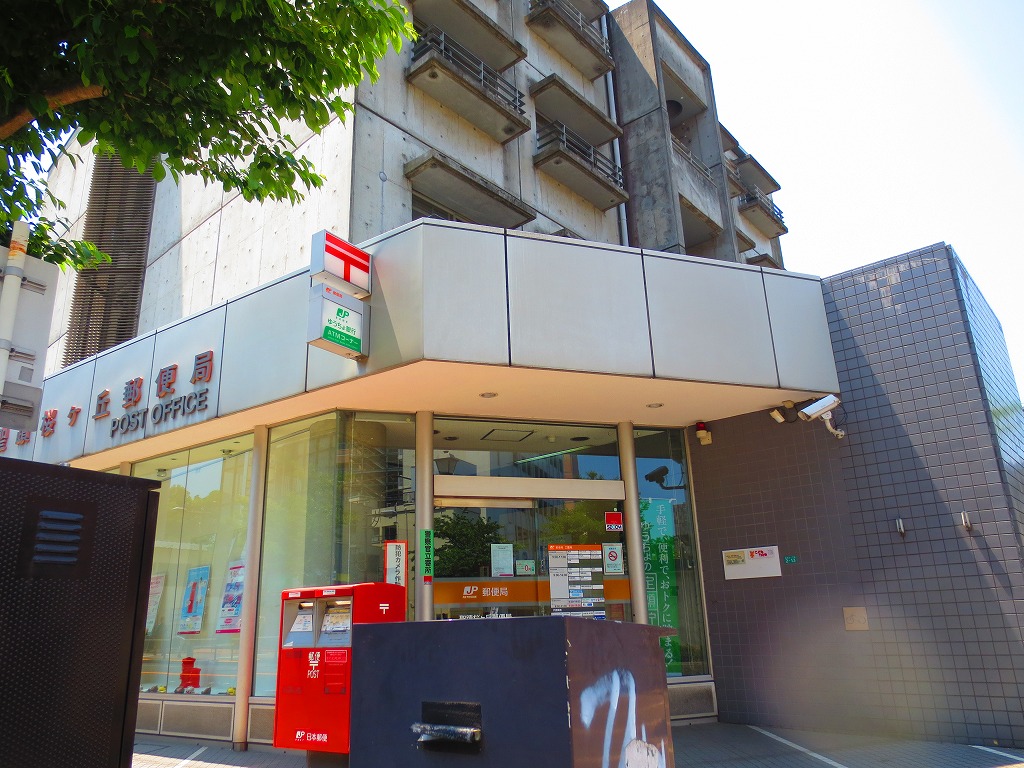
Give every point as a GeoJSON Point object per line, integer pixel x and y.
{"type": "Point", "coordinates": [529, 348]}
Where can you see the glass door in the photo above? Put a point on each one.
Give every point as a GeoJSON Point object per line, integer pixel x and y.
{"type": "Point", "coordinates": [509, 557]}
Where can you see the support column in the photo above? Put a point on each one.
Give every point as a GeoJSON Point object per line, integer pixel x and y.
{"type": "Point", "coordinates": [634, 538]}
{"type": "Point", "coordinates": [13, 275]}
{"type": "Point", "coordinates": [424, 507]}
{"type": "Point", "coordinates": [250, 598]}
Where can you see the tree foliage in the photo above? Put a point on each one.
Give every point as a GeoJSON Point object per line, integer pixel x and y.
{"type": "Point", "coordinates": [178, 87]}
{"type": "Point", "coordinates": [464, 544]}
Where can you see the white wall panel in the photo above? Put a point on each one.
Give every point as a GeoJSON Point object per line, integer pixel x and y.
{"type": "Point", "coordinates": [577, 307]}
{"type": "Point", "coordinates": [465, 305]}
{"type": "Point", "coordinates": [265, 345]}
{"type": "Point", "coordinates": [114, 369]}
{"type": "Point", "coordinates": [68, 389]}
{"type": "Point", "coordinates": [709, 322]}
{"type": "Point", "coordinates": [803, 347]}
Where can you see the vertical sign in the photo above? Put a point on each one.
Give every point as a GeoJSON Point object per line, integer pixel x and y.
{"type": "Point", "coordinates": [396, 562]}
{"type": "Point", "coordinates": [427, 556]}
{"type": "Point", "coordinates": [658, 533]}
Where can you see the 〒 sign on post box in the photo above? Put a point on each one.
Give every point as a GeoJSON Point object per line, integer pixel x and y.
{"type": "Point", "coordinates": [314, 664]}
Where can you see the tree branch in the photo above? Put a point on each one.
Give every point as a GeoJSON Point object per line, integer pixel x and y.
{"type": "Point", "coordinates": [70, 95]}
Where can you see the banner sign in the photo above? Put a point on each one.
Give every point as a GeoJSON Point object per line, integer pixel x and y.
{"type": "Point", "coordinates": [658, 534]}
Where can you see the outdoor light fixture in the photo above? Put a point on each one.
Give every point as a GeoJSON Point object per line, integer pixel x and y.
{"type": "Point", "coordinates": [899, 527]}
{"type": "Point", "coordinates": [446, 464]}
{"type": "Point", "coordinates": [965, 518]}
{"type": "Point", "coordinates": [785, 413]}
{"type": "Point", "coordinates": [703, 433]}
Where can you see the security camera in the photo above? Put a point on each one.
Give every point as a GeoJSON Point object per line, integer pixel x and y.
{"type": "Point", "coordinates": [819, 407]}
{"type": "Point", "coordinates": [657, 475]}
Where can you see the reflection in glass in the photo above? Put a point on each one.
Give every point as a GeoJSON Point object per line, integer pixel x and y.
{"type": "Point", "coordinates": [525, 449]}
{"type": "Point", "coordinates": [494, 561]}
{"type": "Point", "coordinates": [338, 487]}
{"type": "Point", "coordinates": [198, 568]}
{"type": "Point", "coordinates": [671, 567]}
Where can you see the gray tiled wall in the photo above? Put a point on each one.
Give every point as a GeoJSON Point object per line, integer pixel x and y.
{"type": "Point", "coordinates": [779, 648]}
{"type": "Point", "coordinates": [935, 429]}
{"type": "Point", "coordinates": [942, 601]}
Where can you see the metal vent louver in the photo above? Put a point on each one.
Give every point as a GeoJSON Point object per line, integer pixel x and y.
{"type": "Point", "coordinates": [58, 539]}
{"type": "Point", "coordinates": [105, 307]}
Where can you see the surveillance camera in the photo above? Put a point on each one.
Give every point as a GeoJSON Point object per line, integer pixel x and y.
{"type": "Point", "coordinates": [819, 407]}
{"type": "Point", "coordinates": [657, 475]}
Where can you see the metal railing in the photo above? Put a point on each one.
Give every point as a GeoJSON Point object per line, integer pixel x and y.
{"type": "Point", "coordinates": [575, 20]}
{"type": "Point", "coordinates": [497, 87]}
{"type": "Point", "coordinates": [687, 155]}
{"type": "Point", "coordinates": [755, 195]}
{"type": "Point", "coordinates": [556, 133]}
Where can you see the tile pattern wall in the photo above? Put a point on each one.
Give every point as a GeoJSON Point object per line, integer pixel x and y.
{"type": "Point", "coordinates": [780, 652]}
{"type": "Point", "coordinates": [946, 632]}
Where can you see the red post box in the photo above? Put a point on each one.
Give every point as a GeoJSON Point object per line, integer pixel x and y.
{"type": "Point", "coordinates": [314, 663]}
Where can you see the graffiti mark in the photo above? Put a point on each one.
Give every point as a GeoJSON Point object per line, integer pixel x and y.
{"type": "Point", "coordinates": [634, 752]}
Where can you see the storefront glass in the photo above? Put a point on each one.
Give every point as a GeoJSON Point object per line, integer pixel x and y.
{"type": "Point", "coordinates": [671, 567]}
{"type": "Point", "coordinates": [338, 486]}
{"type": "Point", "coordinates": [198, 568]}
{"type": "Point", "coordinates": [530, 449]}
{"type": "Point", "coordinates": [534, 558]}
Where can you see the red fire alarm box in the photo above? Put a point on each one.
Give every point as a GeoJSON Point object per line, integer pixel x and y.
{"type": "Point", "coordinates": [314, 663]}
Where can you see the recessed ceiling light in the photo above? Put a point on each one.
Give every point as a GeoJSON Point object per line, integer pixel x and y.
{"type": "Point", "coordinates": [579, 439]}
{"type": "Point", "coordinates": [655, 405]}
{"type": "Point", "coordinates": [451, 437]}
{"type": "Point", "coordinates": [488, 394]}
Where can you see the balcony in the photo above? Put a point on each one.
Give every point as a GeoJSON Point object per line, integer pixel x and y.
{"type": "Point", "coordinates": [763, 213]}
{"type": "Point", "coordinates": [569, 32]}
{"type": "Point", "coordinates": [754, 175]}
{"type": "Point", "coordinates": [466, 23]}
{"type": "Point", "coordinates": [566, 157]}
{"type": "Point", "coordinates": [456, 187]}
{"type": "Point", "coordinates": [466, 85]}
{"type": "Point", "coordinates": [699, 196]}
{"type": "Point", "coordinates": [732, 175]}
{"type": "Point", "coordinates": [560, 102]}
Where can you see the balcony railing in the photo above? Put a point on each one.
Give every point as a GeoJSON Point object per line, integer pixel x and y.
{"type": "Point", "coordinates": [687, 155]}
{"type": "Point", "coordinates": [433, 39]}
{"type": "Point", "coordinates": [755, 195]}
{"type": "Point", "coordinates": [576, 20]}
{"type": "Point", "coordinates": [558, 134]}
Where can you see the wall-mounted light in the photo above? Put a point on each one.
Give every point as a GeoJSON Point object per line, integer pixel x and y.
{"type": "Point", "coordinates": [965, 518]}
{"type": "Point", "coordinates": [703, 433]}
{"type": "Point", "coordinates": [899, 527]}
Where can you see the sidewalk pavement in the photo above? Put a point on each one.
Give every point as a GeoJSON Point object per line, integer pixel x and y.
{"type": "Point", "coordinates": [715, 745]}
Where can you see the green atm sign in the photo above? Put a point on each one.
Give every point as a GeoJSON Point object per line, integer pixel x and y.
{"type": "Point", "coordinates": [343, 329]}
{"type": "Point", "coordinates": [338, 323]}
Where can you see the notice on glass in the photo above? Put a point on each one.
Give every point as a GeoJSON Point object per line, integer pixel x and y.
{"type": "Point", "coordinates": [156, 591]}
{"type": "Point", "coordinates": [502, 560]}
{"type": "Point", "coordinates": [576, 579]}
{"type": "Point", "coordinates": [231, 603]}
{"type": "Point", "coordinates": [193, 602]}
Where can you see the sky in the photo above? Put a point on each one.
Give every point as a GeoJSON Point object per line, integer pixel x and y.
{"type": "Point", "coordinates": [890, 124]}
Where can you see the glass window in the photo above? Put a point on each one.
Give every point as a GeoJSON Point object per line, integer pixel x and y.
{"type": "Point", "coordinates": [532, 558]}
{"type": "Point", "coordinates": [514, 449]}
{"type": "Point", "coordinates": [338, 487]}
{"type": "Point", "coordinates": [198, 568]}
{"type": "Point", "coordinates": [670, 550]}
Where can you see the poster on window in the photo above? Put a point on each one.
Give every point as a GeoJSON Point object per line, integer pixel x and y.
{"type": "Point", "coordinates": [156, 591]}
{"type": "Point", "coordinates": [658, 537]}
{"type": "Point", "coordinates": [230, 616]}
{"type": "Point", "coordinates": [193, 601]}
